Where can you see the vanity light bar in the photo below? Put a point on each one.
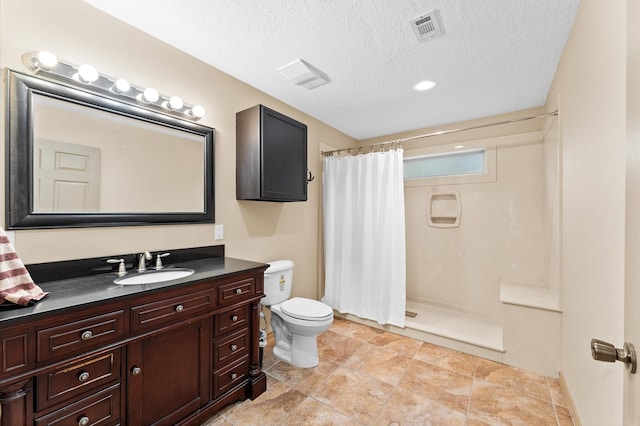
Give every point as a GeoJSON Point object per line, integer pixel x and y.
{"type": "Point", "coordinates": [46, 63]}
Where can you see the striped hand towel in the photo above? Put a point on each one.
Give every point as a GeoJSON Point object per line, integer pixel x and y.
{"type": "Point", "coordinates": [16, 285]}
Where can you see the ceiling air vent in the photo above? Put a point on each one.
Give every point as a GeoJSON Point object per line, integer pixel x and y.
{"type": "Point", "coordinates": [427, 26]}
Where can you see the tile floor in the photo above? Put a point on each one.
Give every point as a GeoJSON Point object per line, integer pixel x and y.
{"type": "Point", "coordinates": [368, 376]}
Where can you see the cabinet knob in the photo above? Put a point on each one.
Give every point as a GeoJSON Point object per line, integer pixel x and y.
{"type": "Point", "coordinates": [83, 376]}
{"type": "Point", "coordinates": [83, 421]}
{"type": "Point", "coordinates": [86, 335]}
{"type": "Point", "coordinates": [238, 291]}
{"type": "Point", "coordinates": [179, 308]}
{"type": "Point", "coordinates": [136, 371]}
{"type": "Point", "coordinates": [234, 376]}
{"type": "Point", "coordinates": [234, 318]}
{"type": "Point", "coordinates": [234, 347]}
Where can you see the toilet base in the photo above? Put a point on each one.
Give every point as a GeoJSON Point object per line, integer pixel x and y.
{"type": "Point", "coordinates": [303, 348]}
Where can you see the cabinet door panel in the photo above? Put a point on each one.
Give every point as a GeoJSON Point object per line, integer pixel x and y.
{"type": "Point", "coordinates": [284, 157]}
{"type": "Point", "coordinates": [172, 379]}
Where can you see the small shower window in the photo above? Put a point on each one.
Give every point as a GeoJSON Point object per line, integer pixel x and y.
{"type": "Point", "coordinates": [446, 164]}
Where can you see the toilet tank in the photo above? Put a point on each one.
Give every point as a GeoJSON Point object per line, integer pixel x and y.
{"type": "Point", "coordinates": [277, 282]}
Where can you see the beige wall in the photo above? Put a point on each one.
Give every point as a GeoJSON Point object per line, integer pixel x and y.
{"type": "Point", "coordinates": [256, 231]}
{"type": "Point", "coordinates": [590, 91]}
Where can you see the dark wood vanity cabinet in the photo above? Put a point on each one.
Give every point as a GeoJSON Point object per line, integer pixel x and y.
{"type": "Point", "coordinates": [170, 357]}
{"type": "Point", "coordinates": [271, 156]}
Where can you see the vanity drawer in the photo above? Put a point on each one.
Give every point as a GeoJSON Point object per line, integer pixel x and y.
{"type": "Point", "coordinates": [74, 379]}
{"type": "Point", "coordinates": [79, 336]}
{"type": "Point", "coordinates": [230, 348]}
{"type": "Point", "coordinates": [100, 409]}
{"type": "Point", "coordinates": [154, 314]}
{"type": "Point", "coordinates": [235, 292]}
{"type": "Point", "coordinates": [228, 377]}
{"type": "Point", "coordinates": [233, 319]}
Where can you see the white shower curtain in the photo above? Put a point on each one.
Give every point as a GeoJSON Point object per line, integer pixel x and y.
{"type": "Point", "coordinates": [364, 236]}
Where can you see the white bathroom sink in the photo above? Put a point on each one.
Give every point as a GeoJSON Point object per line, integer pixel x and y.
{"type": "Point", "coordinates": [157, 276]}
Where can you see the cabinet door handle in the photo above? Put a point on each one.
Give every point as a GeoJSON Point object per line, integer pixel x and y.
{"type": "Point", "coordinates": [179, 308]}
{"type": "Point", "coordinates": [234, 318]}
{"type": "Point", "coordinates": [136, 371]}
{"type": "Point", "coordinates": [238, 291]}
{"type": "Point", "coordinates": [83, 376]}
{"type": "Point", "coordinates": [234, 376]}
{"type": "Point", "coordinates": [234, 347]}
{"type": "Point", "coordinates": [86, 335]}
{"type": "Point", "coordinates": [83, 421]}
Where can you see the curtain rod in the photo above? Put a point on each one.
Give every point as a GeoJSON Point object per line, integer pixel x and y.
{"type": "Point", "coordinates": [442, 132]}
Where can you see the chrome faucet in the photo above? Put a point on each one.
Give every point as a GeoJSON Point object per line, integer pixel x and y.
{"type": "Point", "coordinates": [142, 260]}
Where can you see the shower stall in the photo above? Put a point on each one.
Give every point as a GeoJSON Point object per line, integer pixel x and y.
{"type": "Point", "coordinates": [482, 250]}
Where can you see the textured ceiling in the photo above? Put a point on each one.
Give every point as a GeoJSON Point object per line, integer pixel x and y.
{"type": "Point", "coordinates": [496, 56]}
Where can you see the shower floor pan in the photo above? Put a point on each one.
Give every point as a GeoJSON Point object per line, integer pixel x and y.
{"type": "Point", "coordinates": [465, 327]}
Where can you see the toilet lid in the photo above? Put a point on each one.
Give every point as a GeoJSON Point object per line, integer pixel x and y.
{"type": "Point", "coordinates": [308, 309]}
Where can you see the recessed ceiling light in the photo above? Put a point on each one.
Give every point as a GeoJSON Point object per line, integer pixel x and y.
{"type": "Point", "coordinates": [459, 146]}
{"type": "Point", "coordinates": [425, 85]}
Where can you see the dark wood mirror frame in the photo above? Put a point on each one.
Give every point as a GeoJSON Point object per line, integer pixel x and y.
{"type": "Point", "coordinates": [19, 211]}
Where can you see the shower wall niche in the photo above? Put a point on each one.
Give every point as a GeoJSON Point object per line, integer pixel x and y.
{"type": "Point", "coordinates": [444, 210]}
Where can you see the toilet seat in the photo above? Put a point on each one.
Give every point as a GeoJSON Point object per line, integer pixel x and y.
{"type": "Point", "coordinates": [306, 309]}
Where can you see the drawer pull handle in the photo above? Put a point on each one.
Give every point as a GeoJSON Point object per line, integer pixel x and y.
{"type": "Point", "coordinates": [234, 318]}
{"type": "Point", "coordinates": [83, 376]}
{"type": "Point", "coordinates": [234, 347]}
{"type": "Point", "coordinates": [83, 421]}
{"type": "Point", "coordinates": [238, 291]}
{"type": "Point", "coordinates": [234, 376]}
{"type": "Point", "coordinates": [86, 335]}
{"type": "Point", "coordinates": [136, 371]}
{"type": "Point", "coordinates": [179, 308]}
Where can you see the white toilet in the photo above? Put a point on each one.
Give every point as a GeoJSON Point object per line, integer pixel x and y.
{"type": "Point", "coordinates": [296, 322]}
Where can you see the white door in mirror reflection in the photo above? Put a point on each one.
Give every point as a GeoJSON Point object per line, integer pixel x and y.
{"type": "Point", "coordinates": [66, 177]}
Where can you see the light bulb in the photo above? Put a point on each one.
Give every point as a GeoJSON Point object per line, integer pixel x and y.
{"type": "Point", "coordinates": [425, 85]}
{"type": "Point", "coordinates": [46, 60]}
{"type": "Point", "coordinates": [87, 73]}
{"type": "Point", "coordinates": [150, 94]}
{"type": "Point", "coordinates": [122, 85]}
{"type": "Point", "coordinates": [197, 111]}
{"type": "Point", "coordinates": [175, 102]}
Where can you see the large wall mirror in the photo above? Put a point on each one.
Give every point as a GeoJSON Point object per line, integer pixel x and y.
{"type": "Point", "coordinates": [78, 159]}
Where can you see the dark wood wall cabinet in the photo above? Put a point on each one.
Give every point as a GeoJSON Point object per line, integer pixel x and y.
{"type": "Point", "coordinates": [170, 357]}
{"type": "Point", "coordinates": [271, 156]}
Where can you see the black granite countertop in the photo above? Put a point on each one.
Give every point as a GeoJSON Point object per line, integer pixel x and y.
{"type": "Point", "coordinates": [66, 294]}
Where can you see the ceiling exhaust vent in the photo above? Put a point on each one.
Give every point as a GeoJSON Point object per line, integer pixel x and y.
{"type": "Point", "coordinates": [427, 26]}
{"type": "Point", "coordinates": [304, 74]}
